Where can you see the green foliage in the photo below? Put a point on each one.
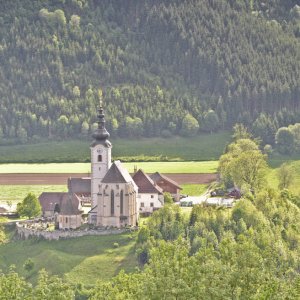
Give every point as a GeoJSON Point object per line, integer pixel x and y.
{"type": "Point", "coordinates": [12, 286]}
{"type": "Point", "coordinates": [295, 130]}
{"type": "Point", "coordinates": [157, 62]}
{"type": "Point", "coordinates": [29, 207]}
{"type": "Point", "coordinates": [52, 287]}
{"type": "Point", "coordinates": [285, 140]}
{"type": "Point", "coordinates": [243, 164]}
{"type": "Point", "coordinates": [190, 126]}
{"type": "Point", "coordinates": [240, 132]}
{"type": "Point", "coordinates": [286, 176]}
{"type": "Point", "coordinates": [168, 199]}
{"type": "Point", "coordinates": [116, 245]}
{"type": "Point", "coordinates": [265, 128]}
{"type": "Point", "coordinates": [210, 121]}
{"type": "Point", "coordinates": [250, 252]}
{"type": "Point", "coordinates": [28, 264]}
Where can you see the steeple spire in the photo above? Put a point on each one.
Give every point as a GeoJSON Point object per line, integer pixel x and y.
{"type": "Point", "coordinates": [100, 134]}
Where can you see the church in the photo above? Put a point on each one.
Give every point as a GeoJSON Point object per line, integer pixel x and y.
{"type": "Point", "coordinates": [113, 191]}
{"type": "Point", "coordinates": [116, 198]}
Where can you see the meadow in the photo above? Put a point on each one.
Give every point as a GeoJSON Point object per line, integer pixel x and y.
{"type": "Point", "coordinates": [81, 260]}
{"type": "Point", "coordinates": [193, 189]}
{"type": "Point", "coordinates": [272, 177]}
{"type": "Point", "coordinates": [16, 193]}
{"type": "Point", "coordinates": [149, 167]}
{"type": "Point", "coordinates": [201, 147]}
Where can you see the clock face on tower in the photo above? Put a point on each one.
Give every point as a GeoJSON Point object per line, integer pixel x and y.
{"type": "Point", "coordinates": [99, 150]}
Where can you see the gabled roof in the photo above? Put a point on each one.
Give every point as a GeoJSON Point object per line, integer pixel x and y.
{"type": "Point", "coordinates": [79, 185]}
{"type": "Point", "coordinates": [70, 205]}
{"type": "Point", "coordinates": [156, 177]}
{"type": "Point", "coordinates": [118, 174]}
{"type": "Point", "coordinates": [48, 200]}
{"type": "Point", "coordinates": [145, 184]}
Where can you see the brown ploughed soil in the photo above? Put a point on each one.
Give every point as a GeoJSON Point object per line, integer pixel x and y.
{"type": "Point", "coordinates": [53, 179]}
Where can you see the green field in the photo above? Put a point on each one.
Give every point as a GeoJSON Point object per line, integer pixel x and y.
{"type": "Point", "coordinates": [17, 193]}
{"type": "Point", "coordinates": [193, 189]}
{"type": "Point", "coordinates": [149, 167]}
{"type": "Point", "coordinates": [81, 260]}
{"type": "Point", "coordinates": [202, 147]}
{"type": "Point", "coordinates": [272, 177]}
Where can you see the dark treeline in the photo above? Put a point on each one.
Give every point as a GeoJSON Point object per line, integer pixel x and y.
{"type": "Point", "coordinates": [164, 67]}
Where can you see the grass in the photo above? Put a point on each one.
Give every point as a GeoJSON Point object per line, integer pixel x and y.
{"type": "Point", "coordinates": [272, 177]}
{"type": "Point", "coordinates": [46, 168]}
{"type": "Point", "coordinates": [149, 167]}
{"type": "Point", "coordinates": [202, 147]}
{"type": "Point", "coordinates": [81, 260]}
{"type": "Point", "coordinates": [193, 189]}
{"type": "Point", "coordinates": [276, 159]}
{"type": "Point", "coordinates": [17, 193]}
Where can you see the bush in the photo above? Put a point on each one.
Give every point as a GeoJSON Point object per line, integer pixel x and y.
{"type": "Point", "coordinates": [116, 245]}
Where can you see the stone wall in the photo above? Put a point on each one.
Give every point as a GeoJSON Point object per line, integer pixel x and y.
{"type": "Point", "coordinates": [25, 233]}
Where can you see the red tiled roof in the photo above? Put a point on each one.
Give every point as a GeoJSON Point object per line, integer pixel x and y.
{"type": "Point", "coordinates": [157, 176]}
{"type": "Point", "coordinates": [145, 183]}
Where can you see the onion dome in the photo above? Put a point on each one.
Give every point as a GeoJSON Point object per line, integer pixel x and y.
{"type": "Point", "coordinates": [101, 135]}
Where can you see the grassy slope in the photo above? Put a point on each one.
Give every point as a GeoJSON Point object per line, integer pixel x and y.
{"type": "Point", "coordinates": [202, 147]}
{"type": "Point", "coordinates": [272, 177]}
{"type": "Point", "coordinates": [81, 260]}
{"type": "Point", "coordinates": [150, 167]}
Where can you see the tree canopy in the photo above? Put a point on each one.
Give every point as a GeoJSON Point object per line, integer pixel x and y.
{"type": "Point", "coordinates": [29, 207]}
{"type": "Point", "coordinates": [221, 62]}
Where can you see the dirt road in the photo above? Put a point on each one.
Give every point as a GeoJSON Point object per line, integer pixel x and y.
{"type": "Point", "coordinates": [53, 179]}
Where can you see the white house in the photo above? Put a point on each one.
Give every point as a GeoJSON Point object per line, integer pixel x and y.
{"type": "Point", "coordinates": [150, 196]}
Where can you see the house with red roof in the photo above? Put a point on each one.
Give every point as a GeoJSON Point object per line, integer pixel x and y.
{"type": "Point", "coordinates": [150, 196]}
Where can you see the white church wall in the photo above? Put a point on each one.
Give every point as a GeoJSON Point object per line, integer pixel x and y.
{"type": "Point", "coordinates": [107, 217]}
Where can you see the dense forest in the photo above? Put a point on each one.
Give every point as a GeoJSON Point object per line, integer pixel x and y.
{"type": "Point", "coordinates": [161, 67]}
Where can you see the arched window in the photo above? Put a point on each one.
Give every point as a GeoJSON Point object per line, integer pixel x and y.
{"type": "Point", "coordinates": [121, 202]}
{"type": "Point", "coordinates": [99, 157]}
{"type": "Point", "coordinates": [112, 202]}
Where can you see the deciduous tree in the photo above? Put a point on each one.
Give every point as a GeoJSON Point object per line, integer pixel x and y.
{"type": "Point", "coordinates": [29, 207]}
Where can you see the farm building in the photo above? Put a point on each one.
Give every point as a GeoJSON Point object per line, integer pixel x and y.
{"type": "Point", "coordinates": [167, 185]}
{"type": "Point", "coordinates": [150, 196]}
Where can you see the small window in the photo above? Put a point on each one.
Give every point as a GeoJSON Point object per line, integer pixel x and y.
{"type": "Point", "coordinates": [152, 196]}
{"type": "Point", "coordinates": [99, 157]}
{"type": "Point", "coordinates": [66, 219]}
{"type": "Point", "coordinates": [142, 204]}
{"type": "Point", "coordinates": [151, 204]}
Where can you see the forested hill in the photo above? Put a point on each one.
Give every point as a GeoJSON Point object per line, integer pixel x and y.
{"type": "Point", "coordinates": [157, 63]}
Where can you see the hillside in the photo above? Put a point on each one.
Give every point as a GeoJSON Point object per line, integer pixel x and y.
{"type": "Point", "coordinates": [155, 62]}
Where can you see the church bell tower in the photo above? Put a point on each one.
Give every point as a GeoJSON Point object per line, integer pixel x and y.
{"type": "Point", "coordinates": [100, 155]}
